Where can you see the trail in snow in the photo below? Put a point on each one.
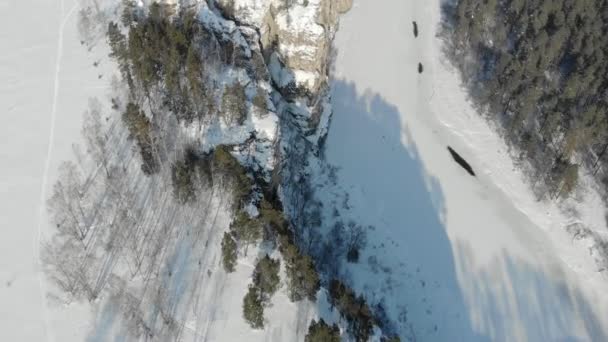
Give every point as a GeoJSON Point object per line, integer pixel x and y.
{"type": "Point", "coordinates": [47, 164]}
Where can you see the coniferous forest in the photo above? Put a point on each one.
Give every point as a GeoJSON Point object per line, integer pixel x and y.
{"type": "Point", "coordinates": [538, 67]}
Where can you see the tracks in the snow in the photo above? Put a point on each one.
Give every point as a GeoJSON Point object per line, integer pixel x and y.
{"type": "Point", "coordinates": [47, 164]}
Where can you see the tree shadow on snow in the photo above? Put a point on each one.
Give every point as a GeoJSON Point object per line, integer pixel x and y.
{"type": "Point", "coordinates": [513, 300]}
{"type": "Point", "coordinates": [409, 265]}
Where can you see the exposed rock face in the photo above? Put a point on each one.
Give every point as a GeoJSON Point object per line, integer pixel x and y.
{"type": "Point", "coordinates": [299, 32]}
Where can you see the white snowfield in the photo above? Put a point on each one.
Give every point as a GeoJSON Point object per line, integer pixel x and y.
{"type": "Point", "coordinates": [47, 79]}
{"type": "Point", "coordinates": [451, 257]}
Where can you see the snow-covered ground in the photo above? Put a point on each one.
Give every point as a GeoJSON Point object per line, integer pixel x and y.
{"type": "Point", "coordinates": [450, 256]}
{"type": "Point", "coordinates": [48, 78]}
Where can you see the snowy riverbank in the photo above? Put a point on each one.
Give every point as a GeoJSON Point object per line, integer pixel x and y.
{"type": "Point", "coordinates": [449, 255]}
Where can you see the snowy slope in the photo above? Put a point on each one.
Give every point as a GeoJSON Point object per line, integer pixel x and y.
{"type": "Point", "coordinates": [50, 78]}
{"type": "Point", "coordinates": [448, 255]}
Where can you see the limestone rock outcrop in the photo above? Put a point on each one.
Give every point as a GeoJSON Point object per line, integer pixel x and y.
{"type": "Point", "coordinates": [297, 32]}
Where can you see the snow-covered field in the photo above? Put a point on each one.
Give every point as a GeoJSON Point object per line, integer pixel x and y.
{"type": "Point", "coordinates": [450, 256]}
{"type": "Point", "coordinates": [48, 78]}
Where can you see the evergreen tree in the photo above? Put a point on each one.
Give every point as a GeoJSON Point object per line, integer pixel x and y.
{"type": "Point", "coordinates": [354, 309]}
{"type": "Point", "coordinates": [303, 279]}
{"type": "Point", "coordinates": [253, 311]}
{"type": "Point", "coordinates": [140, 128]}
{"type": "Point", "coordinates": [128, 13]}
{"type": "Point", "coordinates": [229, 253]}
{"type": "Point", "coordinates": [226, 165]}
{"type": "Point", "coordinates": [183, 182]}
{"type": "Point", "coordinates": [321, 332]}
{"type": "Point", "coordinates": [260, 99]}
{"type": "Point", "coordinates": [234, 104]}
{"type": "Point", "coordinates": [246, 229]}
{"type": "Point", "coordinates": [266, 276]}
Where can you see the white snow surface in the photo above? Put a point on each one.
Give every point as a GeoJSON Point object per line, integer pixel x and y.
{"type": "Point", "coordinates": [48, 78]}
{"type": "Point", "coordinates": [449, 256]}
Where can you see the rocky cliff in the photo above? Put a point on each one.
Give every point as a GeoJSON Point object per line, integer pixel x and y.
{"type": "Point", "coordinates": [295, 35]}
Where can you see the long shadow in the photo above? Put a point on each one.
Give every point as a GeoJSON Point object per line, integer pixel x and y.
{"type": "Point", "coordinates": [409, 267]}
{"type": "Point", "coordinates": [513, 300]}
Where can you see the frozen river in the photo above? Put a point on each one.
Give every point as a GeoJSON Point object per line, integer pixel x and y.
{"type": "Point", "coordinates": [452, 257]}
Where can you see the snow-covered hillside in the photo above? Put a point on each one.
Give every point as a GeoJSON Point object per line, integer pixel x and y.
{"type": "Point", "coordinates": [64, 59]}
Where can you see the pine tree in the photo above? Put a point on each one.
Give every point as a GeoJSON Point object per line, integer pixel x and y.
{"type": "Point", "coordinates": [321, 332]}
{"type": "Point", "coordinates": [260, 99]}
{"type": "Point", "coordinates": [227, 166]}
{"type": "Point", "coordinates": [303, 278]}
{"type": "Point", "coordinates": [246, 229]}
{"type": "Point", "coordinates": [140, 128]}
{"type": "Point", "coordinates": [234, 104]}
{"type": "Point", "coordinates": [353, 308]}
{"type": "Point", "coordinates": [128, 13]}
{"type": "Point", "coordinates": [266, 276]}
{"type": "Point", "coordinates": [229, 253]}
{"type": "Point", "coordinates": [183, 181]}
{"type": "Point", "coordinates": [253, 311]}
